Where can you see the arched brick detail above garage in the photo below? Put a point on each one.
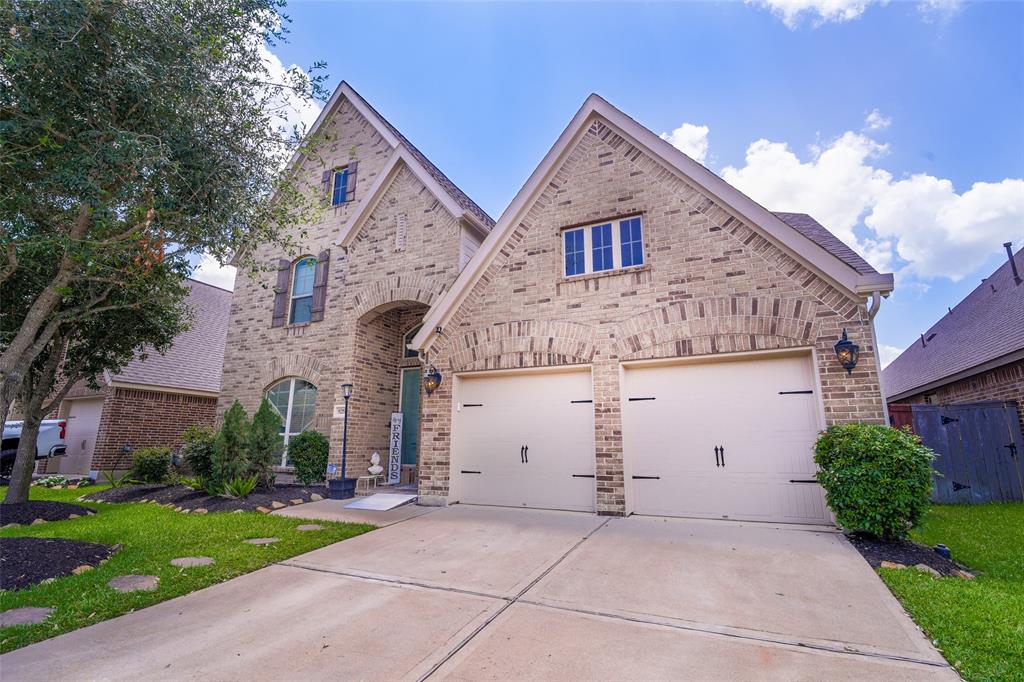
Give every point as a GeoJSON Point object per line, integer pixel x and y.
{"type": "Point", "coordinates": [723, 324]}
{"type": "Point", "coordinates": [299, 365]}
{"type": "Point", "coordinates": [396, 289]}
{"type": "Point", "coordinates": [524, 343]}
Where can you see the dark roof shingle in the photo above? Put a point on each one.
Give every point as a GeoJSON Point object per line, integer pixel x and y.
{"type": "Point", "coordinates": [819, 234]}
{"type": "Point", "coordinates": [985, 326]}
{"type": "Point", "coordinates": [195, 359]}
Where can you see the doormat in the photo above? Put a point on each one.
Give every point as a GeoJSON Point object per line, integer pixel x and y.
{"type": "Point", "coordinates": [381, 502]}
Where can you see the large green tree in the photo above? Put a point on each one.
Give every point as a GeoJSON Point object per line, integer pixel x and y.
{"type": "Point", "coordinates": [138, 130]}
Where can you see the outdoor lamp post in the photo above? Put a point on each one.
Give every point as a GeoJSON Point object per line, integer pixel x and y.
{"type": "Point", "coordinates": [346, 392]}
{"type": "Point", "coordinates": [343, 488]}
{"type": "Point", "coordinates": [847, 352]}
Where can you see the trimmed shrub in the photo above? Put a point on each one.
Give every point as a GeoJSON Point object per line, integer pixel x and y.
{"type": "Point", "coordinates": [264, 440]}
{"type": "Point", "coordinates": [877, 479]}
{"type": "Point", "coordinates": [229, 449]}
{"type": "Point", "coordinates": [151, 465]}
{"type": "Point", "coordinates": [197, 450]}
{"type": "Point", "coordinates": [308, 454]}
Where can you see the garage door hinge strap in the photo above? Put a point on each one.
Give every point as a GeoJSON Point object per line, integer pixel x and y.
{"type": "Point", "coordinates": [583, 475]}
{"type": "Point", "coordinates": [647, 478]}
{"type": "Point", "coordinates": [803, 480]}
{"type": "Point", "coordinates": [464, 471]}
{"type": "Point", "coordinates": [633, 400]}
{"type": "Point", "coordinates": [577, 402]}
{"type": "Point", "coordinates": [794, 392]}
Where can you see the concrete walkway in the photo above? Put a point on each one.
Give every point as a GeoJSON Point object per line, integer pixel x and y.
{"type": "Point", "coordinates": [471, 593]}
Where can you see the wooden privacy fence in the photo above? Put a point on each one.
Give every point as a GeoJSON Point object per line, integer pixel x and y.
{"type": "Point", "coordinates": [978, 449]}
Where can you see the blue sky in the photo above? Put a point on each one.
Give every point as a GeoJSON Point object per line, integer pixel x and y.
{"type": "Point", "coordinates": [878, 118]}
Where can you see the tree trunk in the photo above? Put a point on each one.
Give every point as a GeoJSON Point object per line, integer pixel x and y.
{"type": "Point", "coordinates": [21, 476]}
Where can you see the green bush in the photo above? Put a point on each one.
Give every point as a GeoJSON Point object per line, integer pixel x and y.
{"type": "Point", "coordinates": [877, 479]}
{"type": "Point", "coordinates": [151, 465]}
{"type": "Point", "coordinates": [197, 450]}
{"type": "Point", "coordinates": [229, 449]}
{"type": "Point", "coordinates": [308, 454]}
{"type": "Point", "coordinates": [264, 441]}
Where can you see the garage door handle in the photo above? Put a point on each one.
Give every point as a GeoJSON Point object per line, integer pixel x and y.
{"type": "Point", "coordinates": [717, 462]}
{"type": "Point", "coordinates": [522, 457]}
{"type": "Point", "coordinates": [526, 454]}
{"type": "Point", "coordinates": [723, 455]}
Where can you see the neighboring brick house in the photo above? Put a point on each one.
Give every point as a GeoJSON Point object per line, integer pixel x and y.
{"type": "Point", "coordinates": [150, 402]}
{"type": "Point", "coordinates": [974, 353]}
{"type": "Point", "coordinates": [637, 336]}
{"type": "Point", "coordinates": [394, 235]}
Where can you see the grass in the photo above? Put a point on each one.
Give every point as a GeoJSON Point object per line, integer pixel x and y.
{"type": "Point", "coordinates": [977, 624]}
{"type": "Point", "coordinates": [151, 536]}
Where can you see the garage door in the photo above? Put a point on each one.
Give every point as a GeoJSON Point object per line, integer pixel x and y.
{"type": "Point", "coordinates": [724, 439]}
{"type": "Point", "coordinates": [80, 436]}
{"type": "Point", "coordinates": [525, 439]}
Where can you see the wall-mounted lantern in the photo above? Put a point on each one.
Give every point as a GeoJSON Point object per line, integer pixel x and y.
{"type": "Point", "coordinates": [847, 352]}
{"type": "Point", "coordinates": [432, 380]}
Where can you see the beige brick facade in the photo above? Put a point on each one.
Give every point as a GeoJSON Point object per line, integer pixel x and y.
{"type": "Point", "coordinates": [378, 289]}
{"type": "Point", "coordinates": [711, 284]}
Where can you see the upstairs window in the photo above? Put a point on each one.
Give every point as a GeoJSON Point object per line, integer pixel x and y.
{"type": "Point", "coordinates": [602, 247]}
{"type": "Point", "coordinates": [302, 291]}
{"type": "Point", "coordinates": [339, 193]}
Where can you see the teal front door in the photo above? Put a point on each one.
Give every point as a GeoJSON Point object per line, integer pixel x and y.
{"type": "Point", "coordinates": [410, 409]}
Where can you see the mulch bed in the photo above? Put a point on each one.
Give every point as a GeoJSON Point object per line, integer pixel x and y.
{"type": "Point", "coordinates": [27, 561]}
{"type": "Point", "coordinates": [186, 498]}
{"type": "Point", "coordinates": [27, 512]}
{"type": "Point", "coordinates": [903, 552]}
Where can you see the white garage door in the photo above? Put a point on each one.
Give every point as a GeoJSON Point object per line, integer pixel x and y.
{"type": "Point", "coordinates": [80, 436]}
{"type": "Point", "coordinates": [525, 439]}
{"type": "Point", "coordinates": [724, 439]}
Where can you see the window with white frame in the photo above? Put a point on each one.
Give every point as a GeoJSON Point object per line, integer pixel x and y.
{"type": "Point", "coordinates": [295, 400]}
{"type": "Point", "coordinates": [302, 291]}
{"type": "Point", "coordinates": [611, 245]}
{"type": "Point", "coordinates": [339, 187]}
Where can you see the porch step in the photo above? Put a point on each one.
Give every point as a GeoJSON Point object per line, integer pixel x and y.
{"type": "Point", "coordinates": [381, 501]}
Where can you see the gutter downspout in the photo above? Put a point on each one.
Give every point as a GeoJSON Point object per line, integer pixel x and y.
{"type": "Point", "coordinates": [876, 302]}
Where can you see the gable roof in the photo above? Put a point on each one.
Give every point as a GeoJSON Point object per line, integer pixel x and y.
{"type": "Point", "coordinates": [984, 330]}
{"type": "Point", "coordinates": [819, 234]}
{"type": "Point", "coordinates": [194, 361]}
{"type": "Point", "coordinates": [817, 254]}
{"type": "Point", "coordinates": [454, 199]}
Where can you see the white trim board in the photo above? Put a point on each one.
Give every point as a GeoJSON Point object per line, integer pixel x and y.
{"type": "Point", "coordinates": [809, 253]}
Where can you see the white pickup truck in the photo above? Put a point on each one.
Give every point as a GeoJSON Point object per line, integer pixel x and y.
{"type": "Point", "coordinates": [49, 444]}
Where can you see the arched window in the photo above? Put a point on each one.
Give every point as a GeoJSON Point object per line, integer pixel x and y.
{"type": "Point", "coordinates": [295, 401]}
{"type": "Point", "coordinates": [407, 339]}
{"type": "Point", "coordinates": [302, 290]}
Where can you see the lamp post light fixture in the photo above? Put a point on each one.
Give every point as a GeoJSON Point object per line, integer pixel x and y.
{"type": "Point", "coordinates": [343, 488]}
{"type": "Point", "coordinates": [847, 352]}
{"type": "Point", "coordinates": [432, 380]}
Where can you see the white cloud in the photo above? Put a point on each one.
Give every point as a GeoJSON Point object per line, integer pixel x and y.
{"type": "Point", "coordinates": [690, 139]}
{"type": "Point", "coordinates": [289, 109]}
{"type": "Point", "coordinates": [210, 271]}
{"type": "Point", "coordinates": [823, 11]}
{"type": "Point", "coordinates": [920, 226]}
{"type": "Point", "coordinates": [887, 354]}
{"type": "Point", "coordinates": [877, 121]}
{"type": "Point", "coordinates": [938, 11]}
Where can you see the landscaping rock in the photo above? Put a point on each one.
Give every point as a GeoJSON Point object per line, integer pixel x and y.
{"type": "Point", "coordinates": [966, 575]}
{"type": "Point", "coordinates": [202, 510]}
{"type": "Point", "coordinates": [133, 583]}
{"type": "Point", "coordinates": [277, 505]}
{"type": "Point", "coordinates": [892, 564]}
{"type": "Point", "coordinates": [79, 570]}
{"type": "Point", "coordinates": [315, 497]}
{"type": "Point", "coordinates": [297, 501]}
{"type": "Point", "coordinates": [10, 525]}
{"type": "Point", "coordinates": [260, 541]}
{"type": "Point", "coordinates": [38, 522]}
{"type": "Point", "coordinates": [190, 561]}
{"type": "Point", "coordinates": [309, 526]}
{"type": "Point", "coordinates": [262, 510]}
{"type": "Point", "coordinates": [26, 615]}
{"type": "Point", "coordinates": [927, 569]}
{"type": "Point", "coordinates": [74, 516]}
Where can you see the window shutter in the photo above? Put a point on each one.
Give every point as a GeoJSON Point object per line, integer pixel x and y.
{"type": "Point", "coordinates": [352, 168]}
{"type": "Point", "coordinates": [284, 271]}
{"type": "Point", "coordinates": [320, 286]}
{"type": "Point", "coordinates": [325, 184]}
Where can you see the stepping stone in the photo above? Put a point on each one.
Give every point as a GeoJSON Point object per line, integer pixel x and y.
{"type": "Point", "coordinates": [309, 526]}
{"type": "Point", "coordinates": [315, 497]}
{"type": "Point", "coordinates": [277, 505]}
{"type": "Point", "coordinates": [190, 561]}
{"type": "Point", "coordinates": [297, 501]}
{"type": "Point", "coordinates": [26, 615]}
{"type": "Point", "coordinates": [133, 583]}
{"type": "Point", "coordinates": [260, 541]}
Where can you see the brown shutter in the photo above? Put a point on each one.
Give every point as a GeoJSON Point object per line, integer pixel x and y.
{"type": "Point", "coordinates": [351, 195]}
{"type": "Point", "coordinates": [325, 185]}
{"type": "Point", "coordinates": [284, 271]}
{"type": "Point", "coordinates": [320, 286]}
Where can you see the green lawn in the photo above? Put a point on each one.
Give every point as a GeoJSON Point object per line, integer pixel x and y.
{"type": "Point", "coordinates": [151, 537]}
{"type": "Point", "coordinates": [978, 624]}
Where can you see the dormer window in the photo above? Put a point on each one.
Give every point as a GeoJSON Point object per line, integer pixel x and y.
{"type": "Point", "coordinates": [610, 245]}
{"type": "Point", "coordinates": [339, 187]}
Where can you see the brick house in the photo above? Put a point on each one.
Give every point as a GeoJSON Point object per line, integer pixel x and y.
{"type": "Point", "coordinates": [974, 353]}
{"type": "Point", "coordinates": [152, 401]}
{"type": "Point", "coordinates": [633, 335]}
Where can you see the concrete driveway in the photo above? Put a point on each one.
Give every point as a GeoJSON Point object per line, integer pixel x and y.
{"type": "Point", "coordinates": [472, 593]}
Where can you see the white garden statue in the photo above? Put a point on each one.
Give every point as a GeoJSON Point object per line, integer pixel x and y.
{"type": "Point", "coordinates": [375, 468]}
